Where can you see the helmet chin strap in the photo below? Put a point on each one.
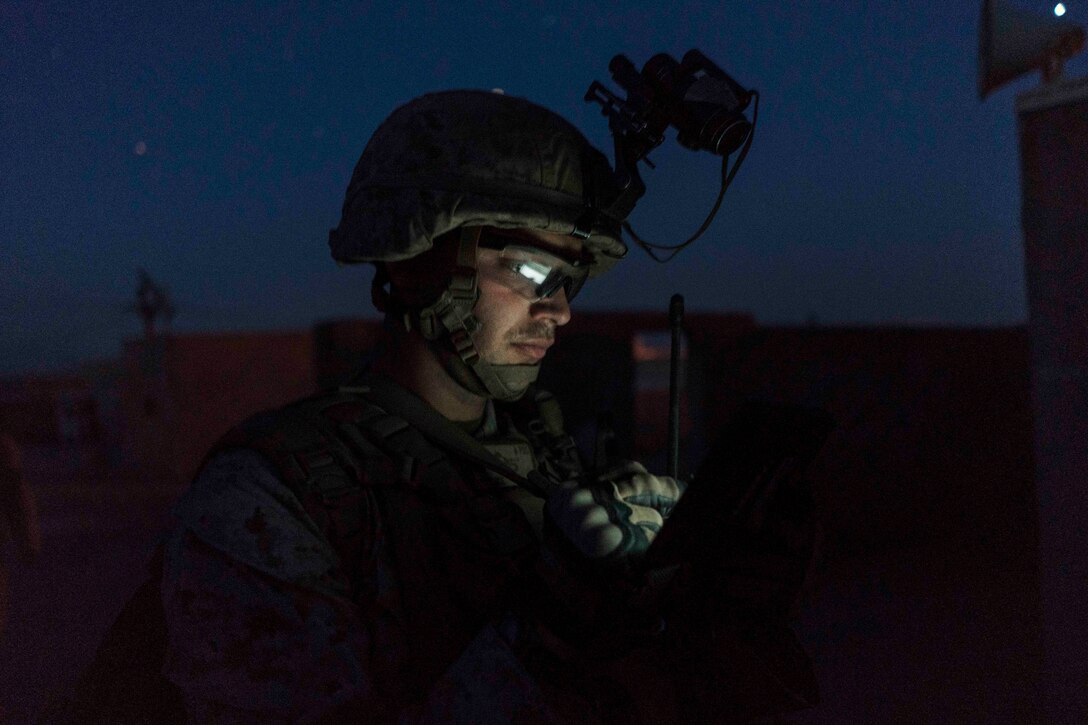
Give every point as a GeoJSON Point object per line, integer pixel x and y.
{"type": "Point", "coordinates": [501, 382]}
{"type": "Point", "coordinates": [449, 324]}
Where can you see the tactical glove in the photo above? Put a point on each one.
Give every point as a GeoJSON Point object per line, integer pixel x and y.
{"type": "Point", "coordinates": [585, 579]}
{"type": "Point", "coordinates": [614, 520]}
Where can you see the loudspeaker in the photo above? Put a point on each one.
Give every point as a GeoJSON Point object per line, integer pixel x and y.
{"type": "Point", "coordinates": [1012, 42]}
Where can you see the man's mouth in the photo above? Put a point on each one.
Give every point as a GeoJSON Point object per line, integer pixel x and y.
{"type": "Point", "coordinates": [533, 349]}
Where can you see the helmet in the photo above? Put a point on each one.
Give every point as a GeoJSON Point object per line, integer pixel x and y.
{"type": "Point", "coordinates": [460, 160]}
{"type": "Point", "coordinates": [472, 158]}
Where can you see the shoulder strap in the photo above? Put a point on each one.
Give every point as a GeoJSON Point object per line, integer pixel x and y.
{"type": "Point", "coordinates": [331, 467]}
{"type": "Point", "coordinates": [334, 449]}
{"type": "Point", "coordinates": [393, 397]}
{"type": "Point", "coordinates": [539, 416]}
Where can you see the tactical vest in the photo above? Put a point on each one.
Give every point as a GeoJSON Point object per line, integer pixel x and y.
{"type": "Point", "coordinates": [375, 483]}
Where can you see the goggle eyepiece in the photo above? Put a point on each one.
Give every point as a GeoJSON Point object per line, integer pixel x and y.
{"type": "Point", "coordinates": [533, 272]}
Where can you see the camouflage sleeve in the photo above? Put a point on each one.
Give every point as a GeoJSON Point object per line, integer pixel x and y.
{"type": "Point", "coordinates": [261, 626]}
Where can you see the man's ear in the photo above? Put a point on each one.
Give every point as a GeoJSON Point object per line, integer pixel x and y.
{"type": "Point", "coordinates": [419, 281]}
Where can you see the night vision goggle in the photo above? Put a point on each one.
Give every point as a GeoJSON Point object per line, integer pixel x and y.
{"type": "Point", "coordinates": [532, 272]}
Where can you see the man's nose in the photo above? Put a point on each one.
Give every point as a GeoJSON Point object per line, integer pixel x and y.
{"type": "Point", "coordinates": [555, 308]}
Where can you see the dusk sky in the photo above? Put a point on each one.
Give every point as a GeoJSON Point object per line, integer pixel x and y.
{"type": "Point", "coordinates": [212, 143]}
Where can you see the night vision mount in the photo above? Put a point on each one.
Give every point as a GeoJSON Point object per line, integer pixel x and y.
{"type": "Point", "coordinates": [695, 96]}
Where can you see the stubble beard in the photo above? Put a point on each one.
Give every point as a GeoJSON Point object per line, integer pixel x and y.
{"type": "Point", "coordinates": [534, 331]}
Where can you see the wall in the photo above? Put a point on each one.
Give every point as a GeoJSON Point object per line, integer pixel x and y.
{"type": "Point", "coordinates": [181, 393]}
{"type": "Point", "coordinates": [1053, 123]}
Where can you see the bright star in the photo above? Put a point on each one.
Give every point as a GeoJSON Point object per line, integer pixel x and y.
{"type": "Point", "coordinates": [1059, 9]}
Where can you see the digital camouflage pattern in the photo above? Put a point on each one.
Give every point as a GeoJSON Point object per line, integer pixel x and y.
{"type": "Point", "coordinates": [274, 616]}
{"type": "Point", "coordinates": [464, 158]}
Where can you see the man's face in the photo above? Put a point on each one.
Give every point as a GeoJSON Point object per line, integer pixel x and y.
{"type": "Point", "coordinates": [516, 330]}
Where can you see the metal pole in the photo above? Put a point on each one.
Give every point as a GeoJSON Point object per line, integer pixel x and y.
{"type": "Point", "coordinates": [676, 318]}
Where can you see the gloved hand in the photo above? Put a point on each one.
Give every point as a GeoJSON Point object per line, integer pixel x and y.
{"type": "Point", "coordinates": [594, 534]}
{"type": "Point", "coordinates": [615, 519]}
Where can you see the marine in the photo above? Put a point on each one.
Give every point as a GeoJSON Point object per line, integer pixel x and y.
{"type": "Point", "coordinates": [424, 543]}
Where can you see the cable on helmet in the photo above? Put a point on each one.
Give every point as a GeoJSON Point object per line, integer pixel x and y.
{"type": "Point", "coordinates": [696, 97]}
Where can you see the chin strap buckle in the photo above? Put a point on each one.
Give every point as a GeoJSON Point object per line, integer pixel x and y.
{"type": "Point", "coordinates": [452, 311]}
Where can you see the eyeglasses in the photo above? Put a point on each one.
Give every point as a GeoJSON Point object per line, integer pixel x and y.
{"type": "Point", "coordinates": [532, 272]}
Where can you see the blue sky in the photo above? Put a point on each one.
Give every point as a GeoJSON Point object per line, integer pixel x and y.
{"type": "Point", "coordinates": [211, 144]}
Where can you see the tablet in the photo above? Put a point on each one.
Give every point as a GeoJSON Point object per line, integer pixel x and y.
{"type": "Point", "coordinates": [765, 448]}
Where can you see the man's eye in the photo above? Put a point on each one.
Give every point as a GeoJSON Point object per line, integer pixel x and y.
{"type": "Point", "coordinates": [532, 272]}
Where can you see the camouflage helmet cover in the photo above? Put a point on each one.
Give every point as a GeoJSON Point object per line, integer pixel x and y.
{"type": "Point", "coordinates": [466, 158]}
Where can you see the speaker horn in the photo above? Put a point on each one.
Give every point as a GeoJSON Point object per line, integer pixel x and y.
{"type": "Point", "coordinates": [1012, 42]}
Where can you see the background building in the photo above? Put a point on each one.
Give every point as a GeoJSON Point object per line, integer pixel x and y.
{"type": "Point", "coordinates": [1054, 176]}
{"type": "Point", "coordinates": [926, 604]}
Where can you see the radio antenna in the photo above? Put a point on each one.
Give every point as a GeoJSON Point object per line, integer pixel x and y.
{"type": "Point", "coordinates": [676, 319]}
